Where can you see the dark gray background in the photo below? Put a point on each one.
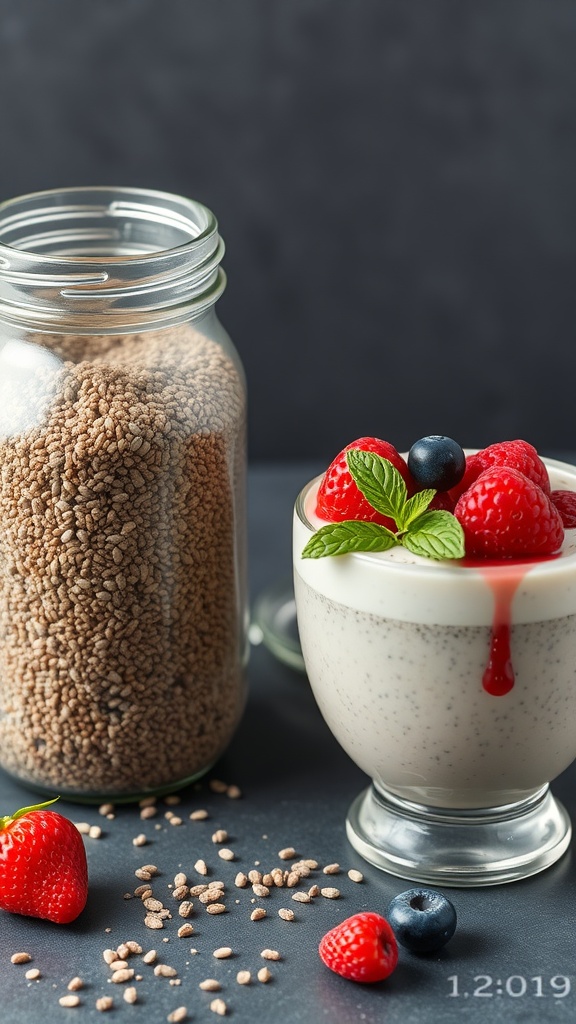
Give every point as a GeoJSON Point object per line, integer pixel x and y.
{"type": "Point", "coordinates": [394, 180]}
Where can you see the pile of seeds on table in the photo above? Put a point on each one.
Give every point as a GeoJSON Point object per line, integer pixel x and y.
{"type": "Point", "coordinates": [171, 907]}
{"type": "Point", "coordinates": [121, 636]}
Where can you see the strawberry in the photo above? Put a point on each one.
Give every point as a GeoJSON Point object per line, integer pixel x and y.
{"type": "Point", "coordinates": [517, 454]}
{"type": "Point", "coordinates": [361, 948]}
{"type": "Point", "coordinates": [506, 515]}
{"type": "Point", "coordinates": [338, 496]}
{"type": "Point", "coordinates": [565, 502]}
{"type": "Point", "coordinates": [43, 869]}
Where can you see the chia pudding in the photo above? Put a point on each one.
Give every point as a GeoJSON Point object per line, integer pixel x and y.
{"type": "Point", "coordinates": [396, 648]}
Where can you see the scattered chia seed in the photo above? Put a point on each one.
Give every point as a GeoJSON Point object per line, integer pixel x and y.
{"type": "Point", "coordinates": [219, 1006]}
{"type": "Point", "coordinates": [122, 975]}
{"type": "Point", "coordinates": [177, 1015]}
{"type": "Point", "coordinates": [69, 1001]}
{"type": "Point", "coordinates": [217, 786]}
{"type": "Point", "coordinates": [222, 953]}
{"type": "Point", "coordinates": [331, 869]}
{"type": "Point", "coordinates": [164, 971]}
{"type": "Point", "coordinates": [355, 876]}
{"type": "Point", "coordinates": [199, 815]}
{"type": "Point", "coordinates": [301, 897]}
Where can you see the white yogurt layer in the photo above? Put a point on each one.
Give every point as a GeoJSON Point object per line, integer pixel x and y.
{"type": "Point", "coordinates": [403, 586]}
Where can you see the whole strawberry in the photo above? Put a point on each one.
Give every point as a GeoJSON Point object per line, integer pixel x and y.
{"type": "Point", "coordinates": [361, 948]}
{"type": "Point", "coordinates": [506, 515]}
{"type": "Point", "coordinates": [338, 496]}
{"type": "Point", "coordinates": [43, 869]}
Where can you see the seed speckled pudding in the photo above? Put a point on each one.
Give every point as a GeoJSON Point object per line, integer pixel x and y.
{"type": "Point", "coordinates": [396, 648]}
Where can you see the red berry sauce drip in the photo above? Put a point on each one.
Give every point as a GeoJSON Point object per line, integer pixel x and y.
{"type": "Point", "coordinates": [498, 678]}
{"type": "Point", "coordinates": [503, 580]}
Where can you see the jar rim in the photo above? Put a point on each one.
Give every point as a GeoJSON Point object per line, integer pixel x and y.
{"type": "Point", "coordinates": [140, 256]}
{"type": "Point", "coordinates": [30, 209]}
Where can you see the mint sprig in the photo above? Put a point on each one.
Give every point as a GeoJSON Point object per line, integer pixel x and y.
{"type": "Point", "coordinates": [351, 535]}
{"type": "Point", "coordinates": [429, 533]}
{"type": "Point", "coordinates": [435, 534]}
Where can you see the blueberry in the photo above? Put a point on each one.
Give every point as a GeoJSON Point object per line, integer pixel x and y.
{"type": "Point", "coordinates": [422, 920]}
{"type": "Point", "coordinates": [437, 461]}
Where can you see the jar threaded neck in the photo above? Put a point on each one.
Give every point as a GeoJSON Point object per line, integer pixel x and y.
{"type": "Point", "coordinates": [107, 259]}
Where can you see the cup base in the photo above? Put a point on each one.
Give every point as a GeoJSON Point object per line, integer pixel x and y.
{"type": "Point", "coordinates": [487, 846]}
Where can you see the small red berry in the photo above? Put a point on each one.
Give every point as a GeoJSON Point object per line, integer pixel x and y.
{"type": "Point", "coordinates": [506, 515]}
{"type": "Point", "coordinates": [442, 500]}
{"type": "Point", "coordinates": [520, 455]}
{"type": "Point", "coordinates": [471, 473]}
{"type": "Point", "coordinates": [361, 948]}
{"type": "Point", "coordinates": [338, 496]}
{"type": "Point", "coordinates": [43, 869]}
{"type": "Point", "coordinates": [565, 502]}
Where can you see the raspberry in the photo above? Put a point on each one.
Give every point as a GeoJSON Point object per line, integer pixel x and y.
{"type": "Point", "coordinates": [506, 515]}
{"type": "Point", "coordinates": [518, 455]}
{"type": "Point", "coordinates": [471, 473]}
{"type": "Point", "coordinates": [442, 500]}
{"type": "Point", "coordinates": [565, 502]}
{"type": "Point", "coordinates": [361, 948]}
{"type": "Point", "coordinates": [338, 496]}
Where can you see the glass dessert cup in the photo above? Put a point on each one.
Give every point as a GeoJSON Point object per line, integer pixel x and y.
{"type": "Point", "coordinates": [407, 659]}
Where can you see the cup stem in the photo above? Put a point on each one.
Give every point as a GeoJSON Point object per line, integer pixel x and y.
{"type": "Point", "coordinates": [464, 848]}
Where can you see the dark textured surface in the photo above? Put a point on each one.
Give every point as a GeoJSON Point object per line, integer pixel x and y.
{"type": "Point", "coordinates": [394, 182]}
{"type": "Point", "coordinates": [297, 785]}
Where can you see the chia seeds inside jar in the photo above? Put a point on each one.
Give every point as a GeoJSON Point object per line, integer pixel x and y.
{"type": "Point", "coordinates": [123, 638]}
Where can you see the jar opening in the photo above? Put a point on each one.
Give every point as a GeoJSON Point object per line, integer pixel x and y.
{"type": "Point", "coordinates": [71, 258]}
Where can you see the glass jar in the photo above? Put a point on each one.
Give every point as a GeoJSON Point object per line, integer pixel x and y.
{"type": "Point", "coordinates": [123, 612]}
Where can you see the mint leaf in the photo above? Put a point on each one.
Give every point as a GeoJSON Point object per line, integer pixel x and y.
{"type": "Point", "coordinates": [435, 534]}
{"type": "Point", "coordinates": [414, 507]}
{"type": "Point", "coordinates": [351, 535]}
{"type": "Point", "coordinates": [431, 534]}
{"type": "Point", "coordinates": [379, 481]}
